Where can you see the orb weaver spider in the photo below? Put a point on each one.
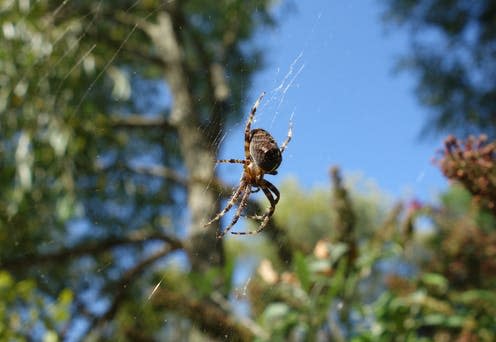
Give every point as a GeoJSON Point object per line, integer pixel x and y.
{"type": "Point", "coordinates": [262, 156]}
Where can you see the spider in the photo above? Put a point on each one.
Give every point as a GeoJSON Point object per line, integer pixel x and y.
{"type": "Point", "coordinates": [262, 156]}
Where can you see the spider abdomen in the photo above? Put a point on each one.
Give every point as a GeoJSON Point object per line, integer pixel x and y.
{"type": "Point", "coordinates": [264, 150]}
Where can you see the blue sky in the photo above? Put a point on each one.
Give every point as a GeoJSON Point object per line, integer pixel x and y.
{"type": "Point", "coordinates": [330, 65]}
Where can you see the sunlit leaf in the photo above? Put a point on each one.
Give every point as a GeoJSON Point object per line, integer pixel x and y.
{"type": "Point", "coordinates": [302, 270]}
{"type": "Point", "coordinates": [435, 279]}
{"type": "Point", "coordinates": [275, 312]}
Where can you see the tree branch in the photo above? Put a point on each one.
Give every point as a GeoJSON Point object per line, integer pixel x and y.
{"type": "Point", "coordinates": [256, 329]}
{"type": "Point", "coordinates": [345, 216]}
{"type": "Point", "coordinates": [90, 247]}
{"type": "Point", "coordinates": [279, 237]}
{"type": "Point", "coordinates": [140, 121]}
{"type": "Point", "coordinates": [162, 172]}
{"type": "Point", "coordinates": [170, 174]}
{"type": "Point", "coordinates": [122, 286]}
{"type": "Point", "coordinates": [209, 318]}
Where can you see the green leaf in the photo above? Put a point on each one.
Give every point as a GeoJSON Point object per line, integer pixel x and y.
{"type": "Point", "coordinates": [204, 282]}
{"type": "Point", "coordinates": [275, 312]}
{"type": "Point", "coordinates": [5, 280]}
{"type": "Point", "coordinates": [337, 250]}
{"type": "Point", "coordinates": [472, 296]}
{"type": "Point", "coordinates": [229, 268]}
{"type": "Point", "coordinates": [436, 280]}
{"type": "Point", "coordinates": [434, 319]}
{"type": "Point", "coordinates": [302, 270]}
{"type": "Point", "coordinates": [456, 321]}
{"type": "Point", "coordinates": [50, 336]}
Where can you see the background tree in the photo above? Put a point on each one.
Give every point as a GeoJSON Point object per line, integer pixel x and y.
{"type": "Point", "coordinates": [451, 295]}
{"type": "Point", "coordinates": [453, 56]}
{"type": "Point", "coordinates": [87, 88]}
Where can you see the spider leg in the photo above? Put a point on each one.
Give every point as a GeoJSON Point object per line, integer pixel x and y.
{"type": "Point", "coordinates": [266, 187]}
{"type": "Point", "coordinates": [234, 198]}
{"type": "Point", "coordinates": [275, 191]}
{"type": "Point", "coordinates": [246, 189]}
{"type": "Point", "coordinates": [248, 126]}
{"type": "Point", "coordinates": [272, 188]}
{"type": "Point", "coordinates": [256, 190]}
{"type": "Point", "coordinates": [288, 139]}
{"type": "Point", "coordinates": [233, 161]}
{"type": "Point", "coordinates": [255, 217]}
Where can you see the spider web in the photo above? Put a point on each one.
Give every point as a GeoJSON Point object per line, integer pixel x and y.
{"type": "Point", "coordinates": [276, 112]}
{"type": "Point", "coordinates": [269, 109]}
{"type": "Point", "coordinates": [269, 116]}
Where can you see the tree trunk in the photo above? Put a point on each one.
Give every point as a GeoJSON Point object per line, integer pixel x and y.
{"type": "Point", "coordinates": [198, 153]}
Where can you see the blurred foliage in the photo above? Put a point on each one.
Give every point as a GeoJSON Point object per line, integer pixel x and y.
{"type": "Point", "coordinates": [93, 182]}
{"type": "Point", "coordinates": [23, 308]}
{"type": "Point", "coordinates": [312, 206]}
{"type": "Point", "coordinates": [451, 297]}
{"type": "Point", "coordinates": [322, 294]}
{"type": "Point", "coordinates": [452, 54]}
{"type": "Point", "coordinates": [403, 283]}
{"type": "Point", "coordinates": [471, 162]}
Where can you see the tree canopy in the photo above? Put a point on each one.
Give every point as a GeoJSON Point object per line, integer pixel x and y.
{"type": "Point", "coordinates": [111, 115]}
{"type": "Point", "coordinates": [453, 56]}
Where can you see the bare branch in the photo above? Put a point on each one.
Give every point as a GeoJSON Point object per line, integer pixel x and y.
{"type": "Point", "coordinates": [208, 316]}
{"type": "Point", "coordinates": [140, 121]}
{"type": "Point", "coordinates": [162, 172]}
{"type": "Point", "coordinates": [279, 237]}
{"type": "Point", "coordinates": [170, 174]}
{"type": "Point", "coordinates": [345, 223]}
{"type": "Point", "coordinates": [90, 247]}
{"type": "Point", "coordinates": [120, 289]}
{"type": "Point", "coordinates": [256, 329]}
